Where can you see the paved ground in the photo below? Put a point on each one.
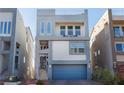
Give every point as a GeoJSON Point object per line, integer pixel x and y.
{"type": "Point", "coordinates": [76, 82]}
{"type": "Point", "coordinates": [59, 82]}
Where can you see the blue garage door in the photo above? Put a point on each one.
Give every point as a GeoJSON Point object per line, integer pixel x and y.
{"type": "Point", "coordinates": [69, 72]}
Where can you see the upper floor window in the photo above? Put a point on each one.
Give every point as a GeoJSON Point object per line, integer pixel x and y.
{"type": "Point", "coordinates": [5, 27]}
{"type": "Point", "coordinates": [42, 27]}
{"type": "Point", "coordinates": [116, 31]}
{"type": "Point", "coordinates": [77, 30]}
{"type": "Point", "coordinates": [120, 47]}
{"type": "Point", "coordinates": [62, 30]}
{"type": "Point", "coordinates": [70, 30]}
{"type": "Point", "coordinates": [1, 27]}
{"type": "Point", "coordinates": [9, 27]}
{"type": "Point", "coordinates": [49, 27]}
{"type": "Point", "coordinates": [123, 31]}
{"type": "Point", "coordinates": [76, 48]}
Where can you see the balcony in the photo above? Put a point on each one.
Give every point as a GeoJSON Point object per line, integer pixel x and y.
{"type": "Point", "coordinates": [44, 51]}
{"type": "Point", "coordinates": [5, 47]}
{"type": "Point", "coordinates": [84, 38]}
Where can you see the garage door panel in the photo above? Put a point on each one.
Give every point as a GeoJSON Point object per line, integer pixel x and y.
{"type": "Point", "coordinates": [69, 72]}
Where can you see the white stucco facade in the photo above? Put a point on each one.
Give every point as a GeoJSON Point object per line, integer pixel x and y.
{"type": "Point", "coordinates": [60, 51]}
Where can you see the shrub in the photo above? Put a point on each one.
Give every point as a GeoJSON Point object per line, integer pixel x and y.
{"type": "Point", "coordinates": [97, 74]}
{"type": "Point", "coordinates": [121, 82]}
{"type": "Point", "coordinates": [106, 75]}
{"type": "Point", "coordinates": [12, 79]}
{"type": "Point", "coordinates": [39, 82]}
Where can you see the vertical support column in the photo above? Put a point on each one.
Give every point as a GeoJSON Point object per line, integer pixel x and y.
{"type": "Point", "coordinates": [111, 40]}
{"type": "Point", "coordinates": [1, 60]}
{"type": "Point", "coordinates": [73, 30]}
{"type": "Point", "coordinates": [13, 44]}
{"type": "Point", "coordinates": [86, 23]}
{"type": "Point", "coordinates": [50, 60]}
{"type": "Point", "coordinates": [66, 30]}
{"type": "Point", "coordinates": [87, 49]}
{"type": "Point", "coordinates": [37, 60]}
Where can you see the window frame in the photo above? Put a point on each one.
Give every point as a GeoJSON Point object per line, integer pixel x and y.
{"type": "Point", "coordinates": [5, 28]}
{"type": "Point", "coordinates": [76, 46]}
{"type": "Point", "coordinates": [77, 30]}
{"type": "Point", "coordinates": [122, 47]}
{"type": "Point", "coordinates": [115, 32]}
{"type": "Point", "coordinates": [9, 27]}
{"type": "Point", "coordinates": [70, 30]}
{"type": "Point", "coordinates": [62, 30]}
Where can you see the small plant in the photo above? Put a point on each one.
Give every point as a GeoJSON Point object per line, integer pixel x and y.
{"type": "Point", "coordinates": [12, 79]}
{"type": "Point", "coordinates": [39, 82]}
{"type": "Point", "coordinates": [106, 75]}
{"type": "Point", "coordinates": [97, 74]}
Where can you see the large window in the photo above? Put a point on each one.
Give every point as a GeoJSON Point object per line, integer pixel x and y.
{"type": "Point", "coordinates": [118, 31]}
{"type": "Point", "coordinates": [120, 47]}
{"type": "Point", "coordinates": [70, 30]}
{"type": "Point", "coordinates": [76, 48]}
{"type": "Point", "coordinates": [77, 30]}
{"type": "Point", "coordinates": [9, 27]}
{"type": "Point", "coordinates": [62, 30]}
{"type": "Point", "coordinates": [5, 27]}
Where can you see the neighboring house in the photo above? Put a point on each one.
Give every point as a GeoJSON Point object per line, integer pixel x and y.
{"type": "Point", "coordinates": [13, 53]}
{"type": "Point", "coordinates": [62, 46]}
{"type": "Point", "coordinates": [29, 48]}
{"type": "Point", "coordinates": [107, 43]}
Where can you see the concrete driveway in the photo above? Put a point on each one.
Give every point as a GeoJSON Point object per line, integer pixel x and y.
{"type": "Point", "coordinates": [73, 82]}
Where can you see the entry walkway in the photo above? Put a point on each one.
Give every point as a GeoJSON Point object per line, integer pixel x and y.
{"type": "Point", "coordinates": [73, 82]}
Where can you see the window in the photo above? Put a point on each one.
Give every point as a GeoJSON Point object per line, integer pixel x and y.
{"type": "Point", "coordinates": [70, 30]}
{"type": "Point", "coordinates": [9, 27]}
{"type": "Point", "coordinates": [62, 33]}
{"type": "Point", "coordinates": [123, 31]}
{"type": "Point", "coordinates": [16, 62]}
{"type": "Point", "coordinates": [42, 27]}
{"type": "Point", "coordinates": [81, 50]}
{"type": "Point", "coordinates": [120, 47]}
{"type": "Point", "coordinates": [49, 27]}
{"type": "Point", "coordinates": [76, 48]}
{"type": "Point", "coordinates": [1, 27]}
{"type": "Point", "coordinates": [116, 31]}
{"type": "Point", "coordinates": [5, 26]}
{"type": "Point", "coordinates": [77, 30]}
{"type": "Point", "coordinates": [62, 30]}
{"type": "Point", "coordinates": [77, 33]}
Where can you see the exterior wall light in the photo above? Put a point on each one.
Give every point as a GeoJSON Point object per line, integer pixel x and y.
{"type": "Point", "coordinates": [50, 66]}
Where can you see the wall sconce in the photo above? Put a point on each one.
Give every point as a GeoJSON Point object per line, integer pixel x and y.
{"type": "Point", "coordinates": [50, 66]}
